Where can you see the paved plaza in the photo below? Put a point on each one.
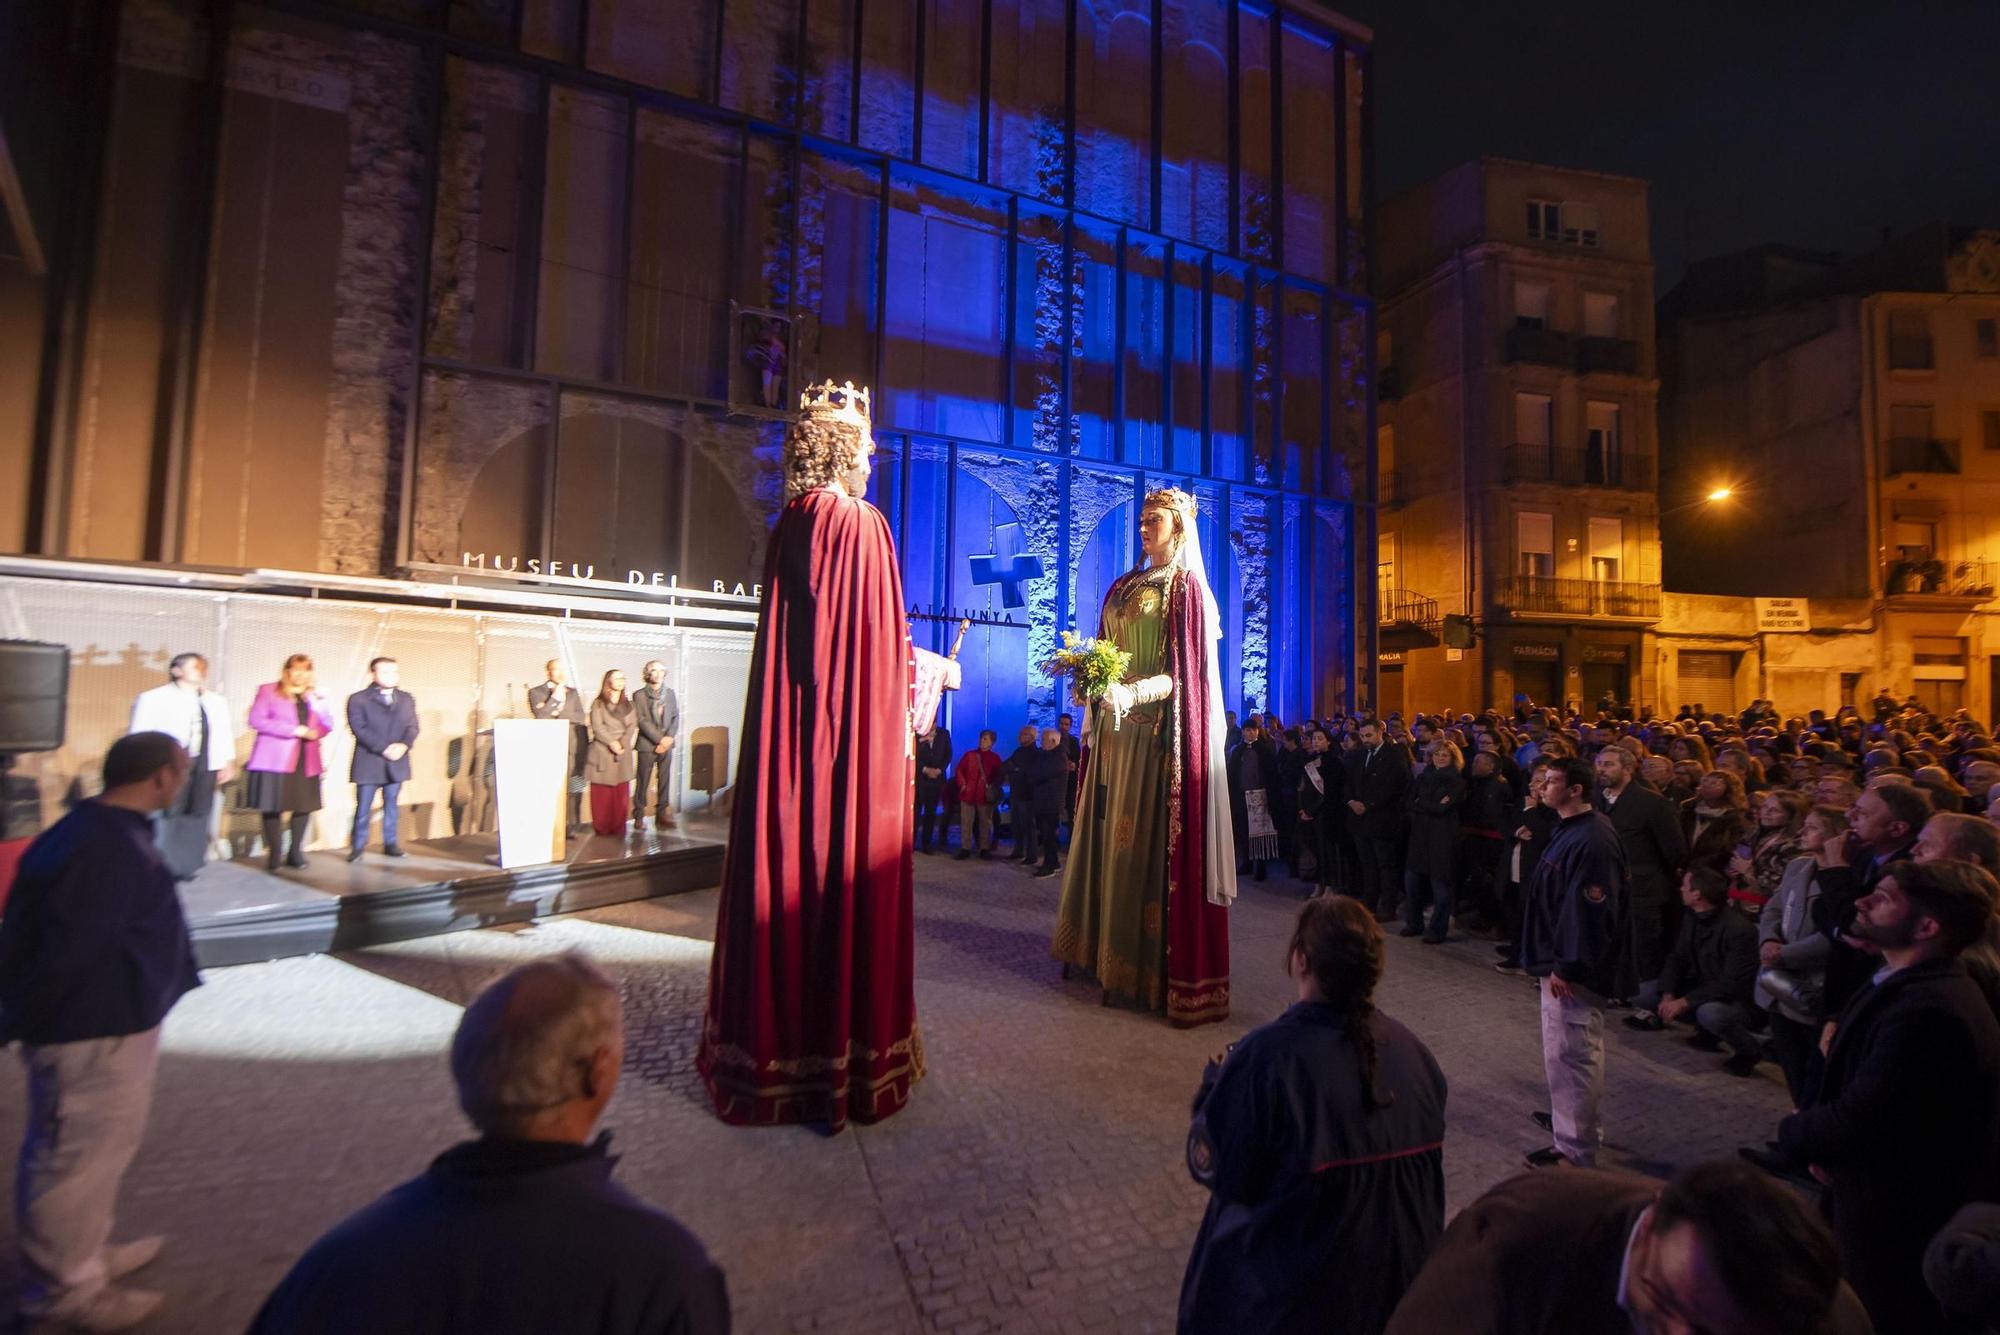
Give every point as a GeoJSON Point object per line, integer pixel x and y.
{"type": "Point", "coordinates": [1035, 1182]}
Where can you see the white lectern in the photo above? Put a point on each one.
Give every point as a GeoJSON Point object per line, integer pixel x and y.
{"type": "Point", "coordinates": [531, 762]}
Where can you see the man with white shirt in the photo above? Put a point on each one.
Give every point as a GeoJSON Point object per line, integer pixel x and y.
{"type": "Point", "coordinates": [198, 718]}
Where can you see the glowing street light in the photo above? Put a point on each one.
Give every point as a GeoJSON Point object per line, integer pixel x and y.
{"type": "Point", "coordinates": [1720, 494]}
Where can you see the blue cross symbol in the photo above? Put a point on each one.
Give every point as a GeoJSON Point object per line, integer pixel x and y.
{"type": "Point", "coordinates": [1009, 565]}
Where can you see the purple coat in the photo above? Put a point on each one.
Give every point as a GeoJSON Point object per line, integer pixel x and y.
{"type": "Point", "coordinates": [273, 717]}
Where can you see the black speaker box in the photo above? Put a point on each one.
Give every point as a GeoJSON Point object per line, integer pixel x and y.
{"type": "Point", "coordinates": [34, 695]}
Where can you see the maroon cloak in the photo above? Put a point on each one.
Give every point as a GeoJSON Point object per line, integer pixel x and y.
{"type": "Point", "coordinates": [811, 1009]}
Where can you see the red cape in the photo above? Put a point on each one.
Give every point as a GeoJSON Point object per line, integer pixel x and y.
{"type": "Point", "coordinates": [1197, 930]}
{"type": "Point", "coordinates": [811, 1009]}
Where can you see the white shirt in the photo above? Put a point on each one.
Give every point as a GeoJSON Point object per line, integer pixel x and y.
{"type": "Point", "coordinates": [177, 713]}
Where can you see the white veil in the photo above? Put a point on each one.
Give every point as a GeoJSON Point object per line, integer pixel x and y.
{"type": "Point", "coordinates": [1221, 844]}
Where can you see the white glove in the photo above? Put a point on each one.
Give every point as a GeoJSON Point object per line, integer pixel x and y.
{"type": "Point", "coordinates": [1118, 698]}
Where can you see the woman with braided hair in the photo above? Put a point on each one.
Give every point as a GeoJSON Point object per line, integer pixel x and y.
{"type": "Point", "coordinates": [1319, 1137]}
{"type": "Point", "coordinates": [1152, 860]}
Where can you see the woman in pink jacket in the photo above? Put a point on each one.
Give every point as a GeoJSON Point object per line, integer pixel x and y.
{"type": "Point", "coordinates": [289, 717]}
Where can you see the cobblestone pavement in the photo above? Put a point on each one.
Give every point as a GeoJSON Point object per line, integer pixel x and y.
{"type": "Point", "coordinates": [1035, 1182]}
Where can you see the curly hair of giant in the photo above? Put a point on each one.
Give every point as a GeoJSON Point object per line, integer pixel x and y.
{"type": "Point", "coordinates": [817, 453]}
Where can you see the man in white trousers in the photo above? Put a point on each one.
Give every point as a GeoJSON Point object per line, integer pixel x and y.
{"type": "Point", "coordinates": [94, 952]}
{"type": "Point", "coordinates": [1572, 939]}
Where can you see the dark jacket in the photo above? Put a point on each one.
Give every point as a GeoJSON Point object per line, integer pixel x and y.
{"type": "Point", "coordinates": [1907, 1124]}
{"type": "Point", "coordinates": [504, 1238]}
{"type": "Point", "coordinates": [1485, 809]}
{"type": "Point", "coordinates": [93, 944]}
{"type": "Point", "coordinates": [1320, 1212]}
{"type": "Point", "coordinates": [376, 726]}
{"type": "Point", "coordinates": [1649, 829]}
{"type": "Point", "coordinates": [934, 753]}
{"type": "Point", "coordinates": [1436, 797]}
{"type": "Point", "coordinates": [1848, 968]}
{"type": "Point", "coordinates": [1713, 959]}
{"type": "Point", "coordinates": [659, 714]}
{"type": "Point", "coordinates": [1327, 799]}
{"type": "Point", "coordinates": [1541, 1255]}
{"type": "Point", "coordinates": [1267, 779]}
{"type": "Point", "coordinates": [1017, 779]}
{"type": "Point", "coordinates": [1962, 1267]}
{"type": "Point", "coordinates": [1719, 836]}
{"type": "Point", "coordinates": [1572, 911]}
{"type": "Point", "coordinates": [1042, 780]}
{"type": "Point", "coordinates": [1540, 823]}
{"type": "Point", "coordinates": [1381, 785]}
{"type": "Point", "coordinates": [544, 703]}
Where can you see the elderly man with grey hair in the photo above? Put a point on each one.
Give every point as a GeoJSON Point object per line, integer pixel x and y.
{"type": "Point", "coordinates": [521, 1230]}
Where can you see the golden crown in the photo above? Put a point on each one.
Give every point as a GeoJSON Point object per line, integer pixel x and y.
{"type": "Point", "coordinates": [828, 402]}
{"type": "Point", "coordinates": [1172, 498]}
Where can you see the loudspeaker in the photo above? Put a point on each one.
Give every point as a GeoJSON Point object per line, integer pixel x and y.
{"type": "Point", "coordinates": [34, 695]}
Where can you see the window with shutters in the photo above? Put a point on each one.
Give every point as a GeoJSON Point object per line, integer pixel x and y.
{"type": "Point", "coordinates": [1535, 544]}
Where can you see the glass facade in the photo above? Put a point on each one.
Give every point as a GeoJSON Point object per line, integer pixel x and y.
{"type": "Point", "coordinates": [538, 278]}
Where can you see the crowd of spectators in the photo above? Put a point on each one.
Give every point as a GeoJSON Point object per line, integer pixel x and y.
{"type": "Point", "coordinates": [1817, 891]}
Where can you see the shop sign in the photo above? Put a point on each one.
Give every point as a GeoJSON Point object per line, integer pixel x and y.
{"type": "Point", "coordinates": [1782, 616]}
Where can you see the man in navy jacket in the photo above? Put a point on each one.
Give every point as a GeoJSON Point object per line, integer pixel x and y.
{"type": "Point", "coordinates": [93, 954]}
{"type": "Point", "coordinates": [522, 1231]}
{"type": "Point", "coordinates": [1572, 939]}
{"type": "Point", "coordinates": [384, 722]}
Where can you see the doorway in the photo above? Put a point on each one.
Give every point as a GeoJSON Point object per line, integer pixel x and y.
{"type": "Point", "coordinates": [1540, 679]}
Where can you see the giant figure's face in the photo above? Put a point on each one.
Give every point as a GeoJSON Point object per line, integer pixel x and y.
{"type": "Point", "coordinates": [1156, 534]}
{"type": "Point", "coordinates": [854, 478]}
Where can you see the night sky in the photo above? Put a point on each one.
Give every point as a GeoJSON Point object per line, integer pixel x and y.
{"type": "Point", "coordinates": [1762, 120]}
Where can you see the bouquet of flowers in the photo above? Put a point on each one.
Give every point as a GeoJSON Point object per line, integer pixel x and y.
{"type": "Point", "coordinates": [1093, 664]}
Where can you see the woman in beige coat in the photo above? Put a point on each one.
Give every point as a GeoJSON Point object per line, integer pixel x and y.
{"type": "Point", "coordinates": [610, 764]}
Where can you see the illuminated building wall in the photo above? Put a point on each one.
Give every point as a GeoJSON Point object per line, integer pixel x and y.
{"type": "Point", "coordinates": [363, 288]}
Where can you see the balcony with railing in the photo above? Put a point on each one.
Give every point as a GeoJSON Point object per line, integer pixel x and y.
{"type": "Point", "coordinates": [1913, 454]}
{"type": "Point", "coordinates": [1545, 595]}
{"type": "Point", "coordinates": [1579, 468]}
{"type": "Point", "coordinates": [1918, 576]}
{"type": "Point", "coordinates": [1401, 607]}
{"type": "Point", "coordinates": [1541, 347]}
{"type": "Point", "coordinates": [1617, 356]}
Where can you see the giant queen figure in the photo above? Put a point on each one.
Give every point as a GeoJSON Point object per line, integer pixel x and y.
{"type": "Point", "coordinates": [1152, 859]}
{"type": "Point", "coordinates": [811, 1010]}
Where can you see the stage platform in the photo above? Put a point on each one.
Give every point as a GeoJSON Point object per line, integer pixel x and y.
{"type": "Point", "coordinates": [239, 913]}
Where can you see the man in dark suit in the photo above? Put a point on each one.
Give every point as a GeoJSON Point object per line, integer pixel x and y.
{"type": "Point", "coordinates": [1719, 1248]}
{"type": "Point", "coordinates": [384, 722]}
{"type": "Point", "coordinates": [1378, 781]}
{"type": "Point", "coordinates": [1906, 1128]}
{"type": "Point", "coordinates": [556, 698]}
{"type": "Point", "coordinates": [1649, 828]}
{"type": "Point", "coordinates": [659, 732]}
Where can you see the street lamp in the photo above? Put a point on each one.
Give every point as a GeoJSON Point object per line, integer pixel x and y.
{"type": "Point", "coordinates": [1715, 496]}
